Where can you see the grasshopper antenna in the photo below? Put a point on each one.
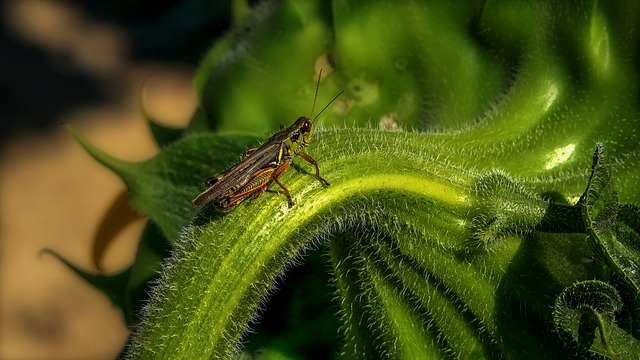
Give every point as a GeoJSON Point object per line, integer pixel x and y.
{"type": "Point", "coordinates": [316, 95]}
{"type": "Point", "coordinates": [325, 108]}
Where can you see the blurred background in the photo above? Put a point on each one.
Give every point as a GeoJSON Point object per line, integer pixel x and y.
{"type": "Point", "coordinates": [82, 63]}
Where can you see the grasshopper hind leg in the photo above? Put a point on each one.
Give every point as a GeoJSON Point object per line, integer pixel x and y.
{"type": "Point", "coordinates": [286, 191]}
{"type": "Point", "coordinates": [281, 169]}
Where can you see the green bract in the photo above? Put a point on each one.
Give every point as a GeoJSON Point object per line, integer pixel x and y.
{"type": "Point", "coordinates": [503, 222]}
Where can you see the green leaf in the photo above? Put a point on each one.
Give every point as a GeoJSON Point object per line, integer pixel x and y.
{"type": "Point", "coordinates": [399, 249]}
{"type": "Point", "coordinates": [243, 252]}
{"type": "Point", "coordinates": [584, 315]}
{"type": "Point", "coordinates": [300, 321]}
{"type": "Point", "coordinates": [617, 243]}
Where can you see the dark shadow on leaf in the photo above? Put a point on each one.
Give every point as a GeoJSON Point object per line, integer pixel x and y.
{"type": "Point", "coordinates": [524, 303]}
{"type": "Point", "coordinates": [118, 216]}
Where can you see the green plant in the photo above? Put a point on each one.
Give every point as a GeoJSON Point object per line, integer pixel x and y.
{"type": "Point", "coordinates": [489, 228]}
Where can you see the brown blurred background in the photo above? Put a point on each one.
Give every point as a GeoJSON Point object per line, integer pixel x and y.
{"type": "Point", "coordinates": [81, 63]}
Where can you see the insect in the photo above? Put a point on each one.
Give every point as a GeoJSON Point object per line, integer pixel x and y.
{"type": "Point", "coordinates": [260, 165]}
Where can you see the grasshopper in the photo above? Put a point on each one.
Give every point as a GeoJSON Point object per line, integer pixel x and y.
{"type": "Point", "coordinates": [260, 165]}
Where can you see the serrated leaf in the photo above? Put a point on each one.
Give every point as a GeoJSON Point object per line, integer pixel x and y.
{"type": "Point", "coordinates": [164, 186]}
{"type": "Point", "coordinates": [618, 246]}
{"type": "Point", "coordinates": [585, 314]}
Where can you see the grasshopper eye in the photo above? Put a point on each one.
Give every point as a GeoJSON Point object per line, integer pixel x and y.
{"type": "Point", "coordinates": [306, 127]}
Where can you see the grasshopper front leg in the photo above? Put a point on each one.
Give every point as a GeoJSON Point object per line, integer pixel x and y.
{"type": "Point", "coordinates": [310, 160]}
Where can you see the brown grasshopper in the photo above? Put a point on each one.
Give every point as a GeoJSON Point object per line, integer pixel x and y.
{"type": "Point", "coordinates": [260, 165]}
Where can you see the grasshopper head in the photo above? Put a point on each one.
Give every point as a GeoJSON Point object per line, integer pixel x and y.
{"type": "Point", "coordinates": [305, 129]}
